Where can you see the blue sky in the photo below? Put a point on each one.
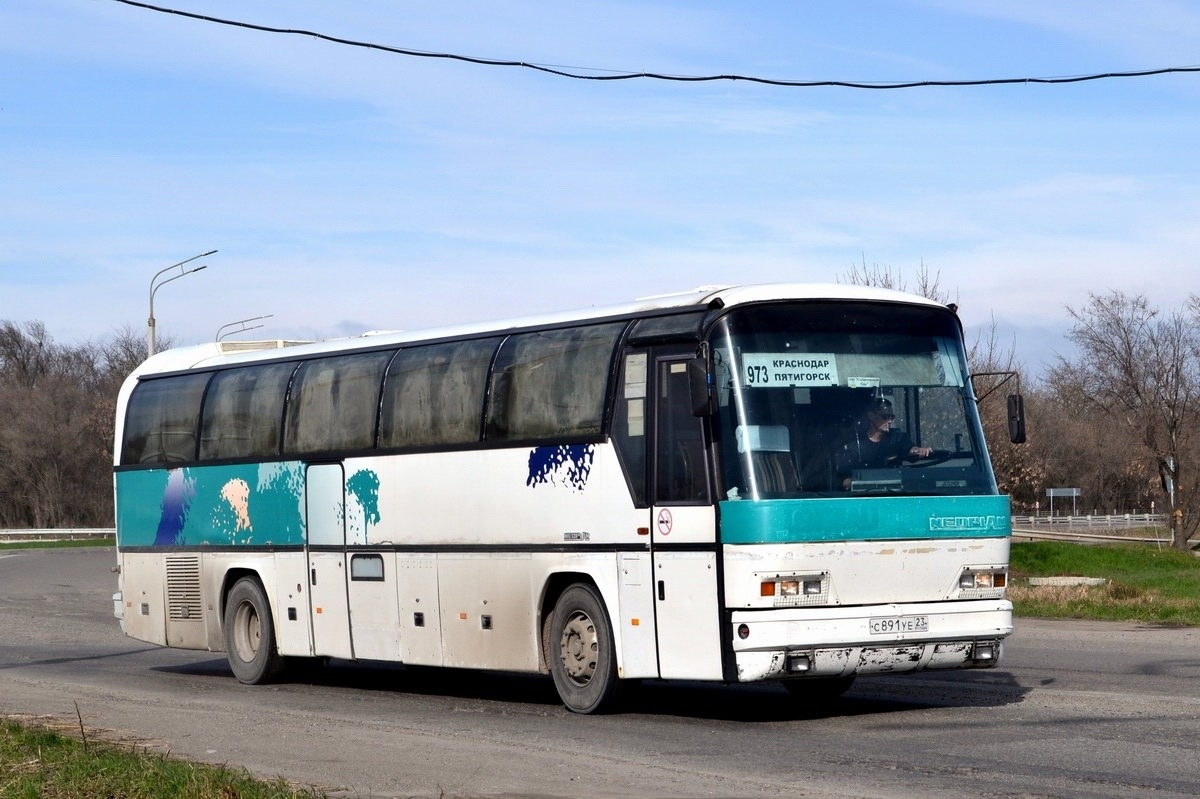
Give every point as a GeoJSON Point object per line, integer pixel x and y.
{"type": "Point", "coordinates": [349, 190]}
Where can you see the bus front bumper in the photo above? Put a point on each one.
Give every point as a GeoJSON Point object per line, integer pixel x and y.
{"type": "Point", "coordinates": [822, 642]}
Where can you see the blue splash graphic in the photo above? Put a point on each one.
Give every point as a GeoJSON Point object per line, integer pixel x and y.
{"type": "Point", "coordinates": [176, 504]}
{"type": "Point", "coordinates": [571, 463]}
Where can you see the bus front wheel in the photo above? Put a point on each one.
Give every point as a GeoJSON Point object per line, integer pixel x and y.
{"type": "Point", "coordinates": [583, 658]}
{"type": "Point", "coordinates": [250, 634]}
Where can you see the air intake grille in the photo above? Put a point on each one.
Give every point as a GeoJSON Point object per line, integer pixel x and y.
{"type": "Point", "coordinates": [183, 589]}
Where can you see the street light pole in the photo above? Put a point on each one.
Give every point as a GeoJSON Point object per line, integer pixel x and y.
{"type": "Point", "coordinates": [156, 284]}
{"type": "Point", "coordinates": [244, 326]}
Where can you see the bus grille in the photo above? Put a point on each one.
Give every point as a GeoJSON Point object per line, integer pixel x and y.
{"type": "Point", "coordinates": [183, 589]}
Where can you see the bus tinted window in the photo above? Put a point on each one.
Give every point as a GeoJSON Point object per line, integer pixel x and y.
{"type": "Point", "coordinates": [659, 328]}
{"type": "Point", "coordinates": [333, 403]}
{"type": "Point", "coordinates": [433, 396]}
{"type": "Point", "coordinates": [160, 426]}
{"type": "Point", "coordinates": [629, 422]}
{"type": "Point", "coordinates": [551, 384]}
{"type": "Point", "coordinates": [243, 412]}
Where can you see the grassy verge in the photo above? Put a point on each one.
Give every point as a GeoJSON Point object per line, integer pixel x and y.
{"type": "Point", "coordinates": [39, 762]}
{"type": "Point", "coordinates": [1145, 583]}
{"type": "Point", "coordinates": [81, 542]}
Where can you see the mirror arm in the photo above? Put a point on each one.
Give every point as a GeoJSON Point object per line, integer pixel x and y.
{"type": "Point", "coordinates": [1009, 375]}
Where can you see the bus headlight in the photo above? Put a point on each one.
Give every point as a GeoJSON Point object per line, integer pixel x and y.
{"type": "Point", "coordinates": [791, 590]}
{"type": "Point", "coordinates": [982, 583]}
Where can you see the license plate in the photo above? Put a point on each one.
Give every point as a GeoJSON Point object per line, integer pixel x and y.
{"type": "Point", "coordinates": [886, 625]}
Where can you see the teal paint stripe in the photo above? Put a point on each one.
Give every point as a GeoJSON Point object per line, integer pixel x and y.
{"type": "Point", "coordinates": [788, 521]}
{"type": "Point", "coordinates": [239, 505]}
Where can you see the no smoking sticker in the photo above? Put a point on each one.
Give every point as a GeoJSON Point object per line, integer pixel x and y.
{"type": "Point", "coordinates": [665, 522]}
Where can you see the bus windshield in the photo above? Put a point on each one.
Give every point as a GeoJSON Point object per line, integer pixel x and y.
{"type": "Point", "coordinates": [842, 399]}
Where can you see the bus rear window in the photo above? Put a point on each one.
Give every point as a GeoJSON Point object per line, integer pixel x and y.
{"type": "Point", "coordinates": [160, 425]}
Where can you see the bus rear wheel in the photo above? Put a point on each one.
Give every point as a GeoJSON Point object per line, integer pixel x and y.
{"type": "Point", "coordinates": [250, 634]}
{"type": "Point", "coordinates": [583, 658]}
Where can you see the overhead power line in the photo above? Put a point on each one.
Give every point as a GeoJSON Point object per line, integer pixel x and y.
{"type": "Point", "coordinates": [582, 73]}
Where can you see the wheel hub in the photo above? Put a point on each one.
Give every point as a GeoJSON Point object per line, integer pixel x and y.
{"type": "Point", "coordinates": [579, 646]}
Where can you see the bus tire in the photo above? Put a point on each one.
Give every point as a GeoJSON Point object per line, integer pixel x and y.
{"type": "Point", "coordinates": [583, 658]}
{"type": "Point", "coordinates": [250, 634]}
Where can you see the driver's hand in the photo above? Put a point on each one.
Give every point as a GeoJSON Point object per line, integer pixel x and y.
{"type": "Point", "coordinates": [921, 452]}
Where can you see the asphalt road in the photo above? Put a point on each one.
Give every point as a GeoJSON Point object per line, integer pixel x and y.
{"type": "Point", "coordinates": [1077, 709]}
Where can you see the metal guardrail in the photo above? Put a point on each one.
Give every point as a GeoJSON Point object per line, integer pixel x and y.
{"type": "Point", "coordinates": [1085, 538]}
{"type": "Point", "coordinates": [1114, 520]}
{"type": "Point", "coordinates": [62, 534]}
{"type": "Point", "coordinates": [1093, 528]}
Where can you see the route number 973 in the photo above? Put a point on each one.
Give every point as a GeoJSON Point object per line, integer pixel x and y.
{"type": "Point", "coordinates": [757, 375]}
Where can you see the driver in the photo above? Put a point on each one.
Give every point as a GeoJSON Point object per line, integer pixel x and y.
{"type": "Point", "coordinates": [874, 444]}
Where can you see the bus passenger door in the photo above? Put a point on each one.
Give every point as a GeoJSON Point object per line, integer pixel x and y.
{"type": "Point", "coordinates": [325, 512]}
{"type": "Point", "coordinates": [682, 529]}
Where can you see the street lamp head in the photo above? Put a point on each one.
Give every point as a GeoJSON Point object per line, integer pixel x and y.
{"type": "Point", "coordinates": [156, 284]}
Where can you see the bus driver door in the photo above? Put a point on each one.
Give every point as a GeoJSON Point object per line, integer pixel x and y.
{"type": "Point", "coordinates": [325, 514]}
{"type": "Point", "coordinates": [682, 527]}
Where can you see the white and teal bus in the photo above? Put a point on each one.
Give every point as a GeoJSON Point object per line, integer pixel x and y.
{"type": "Point", "coordinates": [652, 491]}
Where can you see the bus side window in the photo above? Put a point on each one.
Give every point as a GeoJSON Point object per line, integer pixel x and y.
{"type": "Point", "coordinates": [433, 396]}
{"type": "Point", "coordinates": [682, 462]}
{"type": "Point", "coordinates": [334, 402]}
{"type": "Point", "coordinates": [243, 412]}
{"type": "Point", "coordinates": [629, 423]}
{"type": "Point", "coordinates": [551, 384]}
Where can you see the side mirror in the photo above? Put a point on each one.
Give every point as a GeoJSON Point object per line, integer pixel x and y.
{"type": "Point", "coordinates": [700, 385]}
{"type": "Point", "coordinates": [1016, 418]}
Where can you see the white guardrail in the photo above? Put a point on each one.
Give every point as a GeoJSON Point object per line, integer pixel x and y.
{"type": "Point", "coordinates": [1094, 520]}
{"type": "Point", "coordinates": [1094, 528]}
{"type": "Point", "coordinates": [62, 534]}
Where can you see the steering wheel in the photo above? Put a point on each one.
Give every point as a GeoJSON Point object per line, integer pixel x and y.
{"type": "Point", "coordinates": [932, 459]}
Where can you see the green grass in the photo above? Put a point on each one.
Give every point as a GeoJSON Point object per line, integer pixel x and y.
{"type": "Point", "coordinates": [82, 542]}
{"type": "Point", "coordinates": [1145, 583]}
{"type": "Point", "coordinates": [39, 762]}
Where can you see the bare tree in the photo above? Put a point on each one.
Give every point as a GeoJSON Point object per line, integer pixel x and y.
{"type": "Point", "coordinates": [996, 374]}
{"type": "Point", "coordinates": [1110, 469]}
{"type": "Point", "coordinates": [57, 406]}
{"type": "Point", "coordinates": [928, 286]}
{"type": "Point", "coordinates": [1138, 369]}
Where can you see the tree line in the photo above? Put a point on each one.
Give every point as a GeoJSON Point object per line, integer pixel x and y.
{"type": "Point", "coordinates": [1120, 419]}
{"type": "Point", "coordinates": [57, 408]}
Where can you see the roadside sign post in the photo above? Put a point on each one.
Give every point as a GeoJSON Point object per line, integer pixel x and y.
{"type": "Point", "coordinates": [1073, 493]}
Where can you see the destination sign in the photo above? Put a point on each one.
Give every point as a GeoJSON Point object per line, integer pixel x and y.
{"type": "Point", "coordinates": [783, 369]}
